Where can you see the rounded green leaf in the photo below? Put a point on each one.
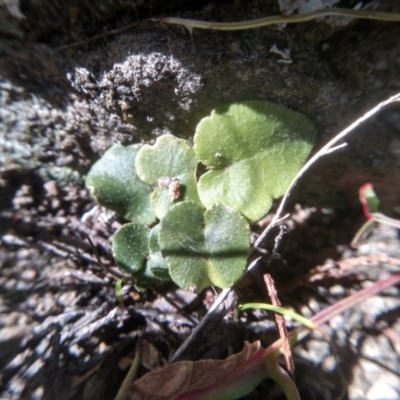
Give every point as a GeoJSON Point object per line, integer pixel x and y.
{"type": "Point", "coordinates": [130, 247]}
{"type": "Point", "coordinates": [156, 262]}
{"type": "Point", "coordinates": [204, 248]}
{"type": "Point", "coordinates": [154, 246]}
{"type": "Point", "coordinates": [158, 266]}
{"type": "Point", "coordinates": [171, 163]}
{"type": "Point", "coordinates": [114, 184]}
{"type": "Point", "coordinates": [255, 149]}
{"type": "Point", "coordinates": [144, 278]}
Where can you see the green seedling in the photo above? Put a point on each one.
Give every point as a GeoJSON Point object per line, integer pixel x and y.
{"type": "Point", "coordinates": [136, 253]}
{"type": "Point", "coordinates": [270, 307]}
{"type": "Point", "coordinates": [204, 247]}
{"type": "Point", "coordinates": [114, 184]}
{"type": "Point", "coordinates": [370, 204]}
{"type": "Point", "coordinates": [250, 151]}
{"type": "Point", "coordinates": [171, 164]}
{"type": "Point", "coordinates": [156, 262]}
{"type": "Point", "coordinates": [131, 259]}
{"type": "Point", "coordinates": [254, 150]}
{"type": "Point", "coordinates": [131, 252]}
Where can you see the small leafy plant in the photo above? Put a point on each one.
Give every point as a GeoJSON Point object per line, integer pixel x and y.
{"type": "Point", "coordinates": [200, 233]}
{"type": "Point", "coordinates": [370, 204]}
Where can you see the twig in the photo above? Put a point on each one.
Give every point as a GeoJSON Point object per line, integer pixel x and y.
{"type": "Point", "coordinates": [217, 303]}
{"type": "Point", "coordinates": [80, 378]}
{"type": "Point", "coordinates": [339, 269]}
{"type": "Point", "coordinates": [280, 323]}
{"type": "Point", "coordinates": [323, 151]}
{"type": "Point", "coordinates": [99, 36]}
{"type": "Point", "coordinates": [113, 272]}
{"type": "Point", "coordinates": [335, 309]}
{"type": "Point", "coordinates": [391, 334]}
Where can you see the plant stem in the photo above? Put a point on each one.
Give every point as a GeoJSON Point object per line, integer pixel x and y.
{"type": "Point", "coordinates": [280, 19]}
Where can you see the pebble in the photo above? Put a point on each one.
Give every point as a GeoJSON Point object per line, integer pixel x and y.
{"type": "Point", "coordinates": [29, 274]}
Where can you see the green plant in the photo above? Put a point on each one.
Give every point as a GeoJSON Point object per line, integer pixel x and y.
{"type": "Point", "coordinates": [114, 184]}
{"type": "Point", "coordinates": [251, 151]}
{"type": "Point", "coordinates": [370, 204]}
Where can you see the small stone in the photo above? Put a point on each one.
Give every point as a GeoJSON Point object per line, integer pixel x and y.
{"type": "Point", "coordinates": [51, 188]}
{"type": "Point", "coordinates": [23, 197]}
{"type": "Point", "coordinates": [28, 274]}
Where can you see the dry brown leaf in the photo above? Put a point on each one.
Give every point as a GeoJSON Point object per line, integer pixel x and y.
{"type": "Point", "coordinates": [180, 379]}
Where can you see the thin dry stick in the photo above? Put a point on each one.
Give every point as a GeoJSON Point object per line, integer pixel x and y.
{"type": "Point", "coordinates": [328, 148]}
{"type": "Point", "coordinates": [280, 323]}
{"type": "Point", "coordinates": [217, 303]}
{"type": "Point", "coordinates": [113, 272]}
{"type": "Point", "coordinates": [113, 32]}
{"type": "Point", "coordinates": [202, 323]}
{"type": "Point", "coordinates": [335, 309]}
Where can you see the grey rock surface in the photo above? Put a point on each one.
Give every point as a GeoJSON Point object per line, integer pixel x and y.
{"type": "Point", "coordinates": [62, 106]}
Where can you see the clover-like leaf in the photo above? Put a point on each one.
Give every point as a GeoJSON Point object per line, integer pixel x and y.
{"type": "Point", "coordinates": [114, 184]}
{"type": "Point", "coordinates": [156, 262]}
{"type": "Point", "coordinates": [130, 247]}
{"type": "Point", "coordinates": [255, 149]}
{"type": "Point", "coordinates": [170, 163]}
{"type": "Point", "coordinates": [204, 248]}
{"type": "Point", "coordinates": [144, 278]}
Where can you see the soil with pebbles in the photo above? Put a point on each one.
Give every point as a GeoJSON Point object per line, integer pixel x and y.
{"type": "Point", "coordinates": [63, 333]}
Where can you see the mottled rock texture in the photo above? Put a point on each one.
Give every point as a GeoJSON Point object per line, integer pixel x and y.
{"type": "Point", "coordinates": [63, 108]}
{"type": "Point", "coordinates": [63, 334]}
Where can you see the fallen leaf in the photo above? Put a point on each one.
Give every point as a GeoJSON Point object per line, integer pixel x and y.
{"type": "Point", "coordinates": [235, 376]}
